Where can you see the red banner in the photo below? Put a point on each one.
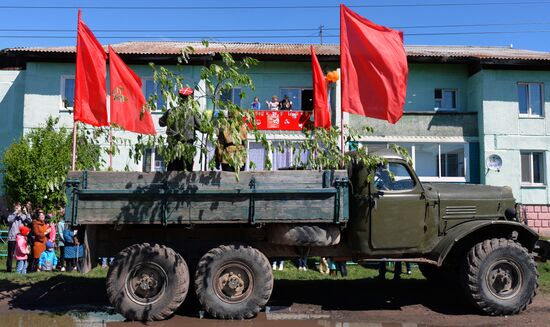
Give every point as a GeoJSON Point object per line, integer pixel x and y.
{"type": "Point", "coordinates": [281, 120]}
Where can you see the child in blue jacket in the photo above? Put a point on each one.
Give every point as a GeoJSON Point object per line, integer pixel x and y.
{"type": "Point", "coordinates": [47, 260]}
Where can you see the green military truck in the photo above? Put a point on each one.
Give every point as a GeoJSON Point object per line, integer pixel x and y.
{"type": "Point", "coordinates": [208, 228]}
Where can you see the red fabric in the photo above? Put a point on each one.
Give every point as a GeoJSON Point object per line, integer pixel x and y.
{"type": "Point", "coordinates": [281, 120]}
{"type": "Point", "coordinates": [321, 112]}
{"type": "Point", "coordinates": [90, 91]}
{"type": "Point", "coordinates": [128, 105]}
{"type": "Point", "coordinates": [373, 66]}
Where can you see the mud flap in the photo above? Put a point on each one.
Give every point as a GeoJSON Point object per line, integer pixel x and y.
{"type": "Point", "coordinates": [542, 250]}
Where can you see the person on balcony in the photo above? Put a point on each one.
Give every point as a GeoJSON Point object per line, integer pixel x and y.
{"type": "Point", "coordinates": [273, 104]}
{"type": "Point", "coordinates": [256, 105]}
{"type": "Point", "coordinates": [286, 104]}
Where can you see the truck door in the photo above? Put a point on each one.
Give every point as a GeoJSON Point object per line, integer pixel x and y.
{"type": "Point", "coordinates": [398, 210]}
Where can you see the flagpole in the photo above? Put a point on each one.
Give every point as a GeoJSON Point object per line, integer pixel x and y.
{"type": "Point", "coordinates": [74, 145]}
{"type": "Point", "coordinates": [75, 122]}
{"type": "Point", "coordinates": [110, 148]}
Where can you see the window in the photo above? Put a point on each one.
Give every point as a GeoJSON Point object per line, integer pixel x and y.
{"type": "Point", "coordinates": [67, 92]}
{"type": "Point", "coordinates": [233, 95]}
{"type": "Point", "coordinates": [152, 88]}
{"type": "Point", "coordinates": [445, 99]}
{"type": "Point", "coordinates": [452, 160]}
{"type": "Point", "coordinates": [153, 162]}
{"type": "Point", "coordinates": [436, 162]}
{"type": "Point", "coordinates": [530, 99]}
{"type": "Point", "coordinates": [532, 168]}
{"type": "Point", "coordinates": [256, 154]}
{"type": "Point", "coordinates": [285, 159]}
{"type": "Point", "coordinates": [393, 177]}
{"type": "Point", "coordinates": [302, 98]}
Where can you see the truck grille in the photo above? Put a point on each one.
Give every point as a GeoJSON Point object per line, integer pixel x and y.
{"type": "Point", "coordinates": [454, 211]}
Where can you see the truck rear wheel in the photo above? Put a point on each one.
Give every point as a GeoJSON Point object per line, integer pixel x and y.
{"type": "Point", "coordinates": [233, 281]}
{"type": "Point", "coordinates": [500, 277]}
{"type": "Point", "coordinates": [147, 282]}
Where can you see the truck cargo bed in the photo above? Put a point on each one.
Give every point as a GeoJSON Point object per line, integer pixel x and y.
{"type": "Point", "coordinates": [207, 197]}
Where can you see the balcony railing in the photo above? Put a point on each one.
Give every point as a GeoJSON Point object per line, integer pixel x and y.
{"type": "Point", "coordinates": [281, 120]}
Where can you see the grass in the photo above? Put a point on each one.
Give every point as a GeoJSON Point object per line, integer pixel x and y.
{"type": "Point", "coordinates": [290, 272]}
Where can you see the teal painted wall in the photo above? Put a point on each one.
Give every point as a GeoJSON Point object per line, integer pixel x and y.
{"type": "Point", "coordinates": [506, 134]}
{"type": "Point", "coordinates": [425, 78]}
{"type": "Point", "coordinates": [12, 90]}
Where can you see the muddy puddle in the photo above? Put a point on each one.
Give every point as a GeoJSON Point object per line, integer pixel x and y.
{"type": "Point", "coordinates": [273, 317]}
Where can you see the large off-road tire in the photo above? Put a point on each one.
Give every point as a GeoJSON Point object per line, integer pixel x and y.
{"type": "Point", "coordinates": [233, 281]}
{"type": "Point", "coordinates": [303, 235]}
{"type": "Point", "coordinates": [147, 282]}
{"type": "Point", "coordinates": [500, 277]}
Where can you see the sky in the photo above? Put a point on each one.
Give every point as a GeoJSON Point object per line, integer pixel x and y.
{"type": "Point", "coordinates": [520, 24]}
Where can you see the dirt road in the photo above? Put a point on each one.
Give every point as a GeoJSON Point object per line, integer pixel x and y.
{"type": "Point", "coordinates": [327, 303]}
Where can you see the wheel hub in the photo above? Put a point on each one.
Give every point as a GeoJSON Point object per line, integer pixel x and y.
{"type": "Point", "coordinates": [504, 279]}
{"type": "Point", "coordinates": [233, 282]}
{"type": "Point", "coordinates": [146, 283]}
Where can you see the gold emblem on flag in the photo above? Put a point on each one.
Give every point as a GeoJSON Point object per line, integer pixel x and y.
{"type": "Point", "coordinates": [118, 94]}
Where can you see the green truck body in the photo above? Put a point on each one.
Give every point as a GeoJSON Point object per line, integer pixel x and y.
{"type": "Point", "coordinates": [171, 226]}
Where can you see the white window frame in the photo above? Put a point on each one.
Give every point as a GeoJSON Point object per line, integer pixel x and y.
{"type": "Point", "coordinates": [63, 79]}
{"type": "Point", "coordinates": [271, 154]}
{"type": "Point", "coordinates": [236, 95]}
{"type": "Point", "coordinates": [442, 97]}
{"type": "Point", "coordinates": [152, 167]}
{"type": "Point", "coordinates": [439, 178]}
{"type": "Point", "coordinates": [144, 80]}
{"type": "Point", "coordinates": [529, 113]}
{"type": "Point", "coordinates": [532, 170]}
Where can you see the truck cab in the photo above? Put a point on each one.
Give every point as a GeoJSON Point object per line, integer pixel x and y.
{"type": "Point", "coordinates": [394, 214]}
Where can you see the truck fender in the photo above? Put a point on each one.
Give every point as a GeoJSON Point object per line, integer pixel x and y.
{"type": "Point", "coordinates": [463, 236]}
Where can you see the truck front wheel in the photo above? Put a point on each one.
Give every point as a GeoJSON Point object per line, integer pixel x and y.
{"type": "Point", "coordinates": [233, 281]}
{"type": "Point", "coordinates": [500, 277]}
{"type": "Point", "coordinates": [147, 282]}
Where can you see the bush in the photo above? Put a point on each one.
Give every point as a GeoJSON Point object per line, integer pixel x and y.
{"type": "Point", "coordinates": [35, 167]}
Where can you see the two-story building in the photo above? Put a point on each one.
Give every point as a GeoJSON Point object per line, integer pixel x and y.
{"type": "Point", "coordinates": [472, 114]}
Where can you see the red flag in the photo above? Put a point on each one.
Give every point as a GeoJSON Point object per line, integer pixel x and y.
{"type": "Point", "coordinates": [374, 68]}
{"type": "Point", "coordinates": [321, 112]}
{"type": "Point", "coordinates": [128, 105]}
{"type": "Point", "coordinates": [90, 91]}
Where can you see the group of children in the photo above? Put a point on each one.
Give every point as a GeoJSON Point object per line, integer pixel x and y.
{"type": "Point", "coordinates": [34, 245]}
{"type": "Point", "coordinates": [47, 260]}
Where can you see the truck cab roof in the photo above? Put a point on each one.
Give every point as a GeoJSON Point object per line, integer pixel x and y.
{"type": "Point", "coordinates": [386, 154]}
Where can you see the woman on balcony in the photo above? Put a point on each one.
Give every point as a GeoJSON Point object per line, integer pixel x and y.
{"type": "Point", "coordinates": [256, 105]}
{"type": "Point", "coordinates": [274, 104]}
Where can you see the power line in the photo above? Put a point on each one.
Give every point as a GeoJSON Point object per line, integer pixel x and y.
{"type": "Point", "coordinates": [264, 30]}
{"type": "Point", "coordinates": [171, 37]}
{"type": "Point", "coordinates": [394, 5]}
{"type": "Point", "coordinates": [258, 30]}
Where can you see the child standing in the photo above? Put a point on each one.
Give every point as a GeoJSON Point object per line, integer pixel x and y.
{"type": "Point", "coordinates": [47, 260]}
{"type": "Point", "coordinates": [22, 250]}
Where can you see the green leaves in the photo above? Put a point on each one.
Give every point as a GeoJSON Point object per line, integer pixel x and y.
{"type": "Point", "coordinates": [218, 77]}
{"type": "Point", "coordinates": [36, 166]}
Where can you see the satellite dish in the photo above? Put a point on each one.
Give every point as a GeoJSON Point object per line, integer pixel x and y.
{"type": "Point", "coordinates": [494, 162]}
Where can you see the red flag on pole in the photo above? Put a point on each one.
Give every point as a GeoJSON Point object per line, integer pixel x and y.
{"type": "Point", "coordinates": [321, 112]}
{"type": "Point", "coordinates": [90, 92]}
{"type": "Point", "coordinates": [128, 105]}
{"type": "Point", "coordinates": [374, 68]}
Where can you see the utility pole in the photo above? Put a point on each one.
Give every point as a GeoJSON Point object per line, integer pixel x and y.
{"type": "Point", "coordinates": [321, 32]}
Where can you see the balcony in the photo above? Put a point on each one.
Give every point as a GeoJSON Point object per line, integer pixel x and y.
{"type": "Point", "coordinates": [281, 120]}
{"type": "Point", "coordinates": [423, 123]}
